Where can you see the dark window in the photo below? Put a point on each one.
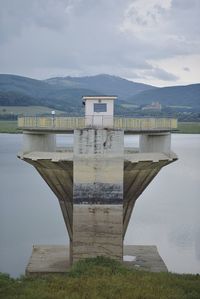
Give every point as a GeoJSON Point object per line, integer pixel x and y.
{"type": "Point", "coordinates": [100, 107]}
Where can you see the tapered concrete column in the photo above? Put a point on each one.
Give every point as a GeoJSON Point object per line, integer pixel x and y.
{"type": "Point", "coordinates": [98, 194]}
{"type": "Point", "coordinates": [38, 142]}
{"type": "Point", "coordinates": [155, 143]}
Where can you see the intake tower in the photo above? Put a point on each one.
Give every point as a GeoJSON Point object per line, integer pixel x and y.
{"type": "Point", "coordinates": [98, 181]}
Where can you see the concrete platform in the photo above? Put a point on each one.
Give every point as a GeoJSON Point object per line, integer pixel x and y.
{"type": "Point", "coordinates": [46, 259]}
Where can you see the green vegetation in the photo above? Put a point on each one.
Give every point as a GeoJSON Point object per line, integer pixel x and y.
{"type": "Point", "coordinates": [169, 96]}
{"type": "Point", "coordinates": [8, 126]}
{"type": "Point", "coordinates": [129, 106]}
{"type": "Point", "coordinates": [102, 278]}
{"type": "Point", "coordinates": [189, 127]}
{"type": "Point", "coordinates": [26, 110]}
{"type": "Point", "coordinates": [22, 91]}
{"type": "Point", "coordinates": [66, 92]}
{"type": "Point", "coordinates": [180, 107]}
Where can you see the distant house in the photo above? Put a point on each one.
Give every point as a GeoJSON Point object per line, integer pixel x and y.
{"type": "Point", "coordinates": [154, 106]}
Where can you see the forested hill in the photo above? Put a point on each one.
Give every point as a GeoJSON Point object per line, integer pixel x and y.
{"type": "Point", "coordinates": [103, 84]}
{"type": "Point", "coordinates": [65, 93]}
{"type": "Point", "coordinates": [22, 91]}
{"type": "Point", "coordinates": [188, 95]}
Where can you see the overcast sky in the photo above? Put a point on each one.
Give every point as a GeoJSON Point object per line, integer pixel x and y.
{"type": "Point", "coordinates": [150, 41]}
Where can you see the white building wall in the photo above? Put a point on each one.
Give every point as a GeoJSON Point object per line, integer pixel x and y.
{"type": "Point", "coordinates": [89, 107]}
{"type": "Point", "coordinates": [99, 119]}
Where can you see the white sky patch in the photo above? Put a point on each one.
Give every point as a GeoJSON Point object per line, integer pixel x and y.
{"type": "Point", "coordinates": [69, 7]}
{"type": "Point", "coordinates": [178, 65]}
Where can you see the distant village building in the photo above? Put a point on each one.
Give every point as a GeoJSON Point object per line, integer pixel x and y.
{"type": "Point", "coordinates": [154, 106]}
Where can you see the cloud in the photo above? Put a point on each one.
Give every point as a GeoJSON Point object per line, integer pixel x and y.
{"type": "Point", "coordinates": [186, 69]}
{"type": "Point", "coordinates": [160, 74]}
{"type": "Point", "coordinates": [143, 17]}
{"type": "Point", "coordinates": [44, 38]}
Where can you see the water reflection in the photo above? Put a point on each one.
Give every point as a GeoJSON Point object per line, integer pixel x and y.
{"type": "Point", "coordinates": [182, 237]}
{"type": "Point", "coordinates": [166, 212]}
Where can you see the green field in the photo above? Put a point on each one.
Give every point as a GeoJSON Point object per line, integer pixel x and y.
{"type": "Point", "coordinates": [189, 127]}
{"type": "Point", "coordinates": [8, 126]}
{"type": "Point", "coordinates": [26, 110]}
{"type": "Point", "coordinates": [129, 106]}
{"type": "Point", "coordinates": [102, 278]}
{"type": "Point", "coordinates": [180, 107]}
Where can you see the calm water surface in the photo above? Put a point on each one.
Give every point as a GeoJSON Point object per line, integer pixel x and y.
{"type": "Point", "coordinates": [165, 215]}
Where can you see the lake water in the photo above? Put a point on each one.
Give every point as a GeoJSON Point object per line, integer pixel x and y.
{"type": "Point", "coordinates": [167, 214]}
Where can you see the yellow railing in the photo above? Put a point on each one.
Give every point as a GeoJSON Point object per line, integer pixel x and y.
{"type": "Point", "coordinates": [145, 123]}
{"type": "Point", "coordinates": [71, 123]}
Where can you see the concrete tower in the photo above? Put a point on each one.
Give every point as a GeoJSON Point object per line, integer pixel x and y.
{"type": "Point", "coordinates": [98, 181]}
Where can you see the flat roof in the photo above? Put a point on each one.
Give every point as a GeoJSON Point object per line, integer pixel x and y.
{"type": "Point", "coordinates": [99, 97]}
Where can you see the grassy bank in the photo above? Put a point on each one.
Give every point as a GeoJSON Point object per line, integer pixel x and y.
{"type": "Point", "coordinates": [183, 127]}
{"type": "Point", "coordinates": [8, 126]}
{"type": "Point", "coordinates": [189, 127]}
{"type": "Point", "coordinates": [102, 278]}
{"type": "Point", "coordinates": [26, 110]}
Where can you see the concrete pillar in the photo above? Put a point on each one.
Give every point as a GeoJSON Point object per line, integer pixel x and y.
{"type": "Point", "coordinates": [41, 142]}
{"type": "Point", "coordinates": [155, 143]}
{"type": "Point", "coordinates": [98, 194]}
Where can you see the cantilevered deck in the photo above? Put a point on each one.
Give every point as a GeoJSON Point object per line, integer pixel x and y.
{"type": "Point", "coordinates": [69, 124]}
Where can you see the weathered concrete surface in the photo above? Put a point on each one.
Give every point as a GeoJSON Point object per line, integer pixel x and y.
{"type": "Point", "coordinates": [52, 156]}
{"type": "Point", "coordinates": [98, 141]}
{"type": "Point", "coordinates": [38, 142]}
{"type": "Point", "coordinates": [97, 230]}
{"type": "Point", "coordinates": [147, 258]}
{"type": "Point", "coordinates": [46, 259]}
{"type": "Point", "coordinates": [98, 193]}
{"type": "Point", "coordinates": [98, 166]}
{"type": "Point", "coordinates": [155, 143]}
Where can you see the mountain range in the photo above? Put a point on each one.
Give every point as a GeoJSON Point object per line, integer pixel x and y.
{"type": "Point", "coordinates": [103, 84]}
{"type": "Point", "coordinates": [64, 93]}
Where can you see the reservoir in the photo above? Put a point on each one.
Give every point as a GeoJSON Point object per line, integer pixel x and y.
{"type": "Point", "coordinates": [165, 215]}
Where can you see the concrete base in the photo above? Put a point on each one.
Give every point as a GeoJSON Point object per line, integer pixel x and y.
{"type": "Point", "coordinates": [49, 259]}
